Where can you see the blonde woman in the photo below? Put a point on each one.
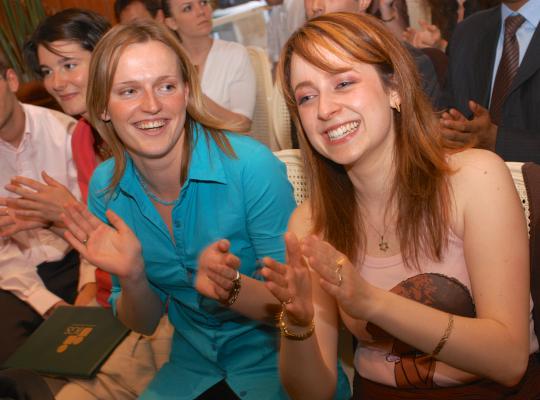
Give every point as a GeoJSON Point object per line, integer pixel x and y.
{"type": "Point", "coordinates": [180, 201]}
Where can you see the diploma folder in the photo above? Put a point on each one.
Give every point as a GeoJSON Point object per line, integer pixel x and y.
{"type": "Point", "coordinates": [72, 342]}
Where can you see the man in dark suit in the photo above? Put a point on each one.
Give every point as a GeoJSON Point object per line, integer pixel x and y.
{"type": "Point", "coordinates": [475, 54]}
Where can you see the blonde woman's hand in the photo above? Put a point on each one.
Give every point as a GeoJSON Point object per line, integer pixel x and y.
{"type": "Point", "coordinates": [39, 200]}
{"type": "Point", "coordinates": [338, 277]}
{"type": "Point", "coordinates": [291, 283]}
{"type": "Point", "coordinates": [217, 269]}
{"type": "Point", "coordinates": [114, 249]}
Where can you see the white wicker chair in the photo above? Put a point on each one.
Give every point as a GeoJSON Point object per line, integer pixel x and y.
{"type": "Point", "coordinates": [281, 122]}
{"type": "Point", "coordinates": [519, 183]}
{"type": "Point", "coordinates": [260, 125]}
{"type": "Point", "coordinates": [295, 172]}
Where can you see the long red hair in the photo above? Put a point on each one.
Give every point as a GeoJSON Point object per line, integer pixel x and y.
{"type": "Point", "coordinates": [420, 186]}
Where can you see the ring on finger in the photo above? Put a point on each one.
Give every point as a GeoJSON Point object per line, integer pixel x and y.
{"type": "Point", "coordinates": [339, 266]}
{"type": "Point", "coordinates": [288, 301]}
{"type": "Point", "coordinates": [85, 240]}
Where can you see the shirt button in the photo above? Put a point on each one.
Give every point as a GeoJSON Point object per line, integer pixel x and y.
{"type": "Point", "coordinates": [177, 224]}
{"type": "Point", "coordinates": [243, 393]}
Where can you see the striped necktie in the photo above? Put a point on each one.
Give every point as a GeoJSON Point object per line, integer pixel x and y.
{"type": "Point", "coordinates": [507, 67]}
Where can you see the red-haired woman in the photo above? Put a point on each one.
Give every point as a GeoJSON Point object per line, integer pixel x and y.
{"type": "Point", "coordinates": [422, 252]}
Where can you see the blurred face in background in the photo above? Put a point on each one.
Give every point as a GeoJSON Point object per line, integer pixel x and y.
{"type": "Point", "coordinates": [315, 8]}
{"type": "Point", "coordinates": [138, 10]}
{"type": "Point", "coordinates": [65, 74]}
{"type": "Point", "coordinates": [190, 18]}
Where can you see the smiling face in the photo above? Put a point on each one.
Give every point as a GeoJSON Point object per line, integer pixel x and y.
{"type": "Point", "coordinates": [190, 18]}
{"type": "Point", "coordinates": [148, 99]}
{"type": "Point", "coordinates": [346, 116]}
{"type": "Point", "coordinates": [65, 74]}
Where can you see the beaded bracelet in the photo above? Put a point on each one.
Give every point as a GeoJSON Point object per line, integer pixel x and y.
{"type": "Point", "coordinates": [445, 336]}
{"type": "Point", "coordinates": [235, 290]}
{"type": "Point", "coordinates": [286, 333]}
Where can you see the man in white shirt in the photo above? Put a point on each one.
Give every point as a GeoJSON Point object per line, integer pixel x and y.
{"type": "Point", "coordinates": [38, 268]}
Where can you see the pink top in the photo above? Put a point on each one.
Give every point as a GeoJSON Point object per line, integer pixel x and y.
{"type": "Point", "coordinates": [82, 146]}
{"type": "Point", "coordinates": [439, 282]}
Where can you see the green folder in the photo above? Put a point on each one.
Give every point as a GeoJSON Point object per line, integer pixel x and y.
{"type": "Point", "coordinates": [72, 342]}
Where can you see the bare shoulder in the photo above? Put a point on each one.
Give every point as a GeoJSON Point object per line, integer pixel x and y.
{"type": "Point", "coordinates": [473, 167]}
{"type": "Point", "coordinates": [301, 223]}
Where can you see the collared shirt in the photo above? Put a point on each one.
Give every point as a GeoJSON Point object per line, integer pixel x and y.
{"type": "Point", "coordinates": [247, 200]}
{"type": "Point", "coordinates": [45, 146]}
{"type": "Point", "coordinates": [531, 12]}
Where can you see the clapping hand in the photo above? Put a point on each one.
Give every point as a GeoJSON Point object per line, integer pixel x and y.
{"type": "Point", "coordinates": [478, 131]}
{"type": "Point", "coordinates": [11, 223]}
{"type": "Point", "coordinates": [37, 200]}
{"type": "Point", "coordinates": [291, 283]}
{"type": "Point", "coordinates": [114, 249]}
{"type": "Point", "coordinates": [428, 36]}
{"type": "Point", "coordinates": [338, 277]}
{"type": "Point", "coordinates": [217, 269]}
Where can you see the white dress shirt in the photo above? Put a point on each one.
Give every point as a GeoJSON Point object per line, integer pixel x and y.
{"type": "Point", "coordinates": [45, 146]}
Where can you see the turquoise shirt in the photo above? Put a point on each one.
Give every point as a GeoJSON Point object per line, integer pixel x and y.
{"type": "Point", "coordinates": [248, 201]}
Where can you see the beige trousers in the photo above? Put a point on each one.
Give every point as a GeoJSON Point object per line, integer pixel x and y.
{"type": "Point", "coordinates": [127, 371]}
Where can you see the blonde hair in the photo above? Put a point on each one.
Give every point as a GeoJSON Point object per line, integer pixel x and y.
{"type": "Point", "coordinates": [420, 187]}
{"type": "Point", "coordinates": [102, 70]}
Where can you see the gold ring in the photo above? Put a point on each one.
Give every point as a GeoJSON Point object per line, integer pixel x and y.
{"type": "Point", "coordinates": [84, 241]}
{"type": "Point", "coordinates": [289, 300]}
{"type": "Point", "coordinates": [339, 266]}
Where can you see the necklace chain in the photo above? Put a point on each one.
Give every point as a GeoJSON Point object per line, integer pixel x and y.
{"type": "Point", "coordinates": [383, 244]}
{"type": "Point", "coordinates": [152, 195]}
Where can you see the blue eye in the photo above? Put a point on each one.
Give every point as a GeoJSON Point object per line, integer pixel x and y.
{"type": "Point", "coordinates": [167, 87]}
{"type": "Point", "coordinates": [127, 92]}
{"type": "Point", "coordinates": [343, 84]}
{"type": "Point", "coordinates": [303, 99]}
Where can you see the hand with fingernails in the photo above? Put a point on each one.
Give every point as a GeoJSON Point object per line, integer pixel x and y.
{"type": "Point", "coordinates": [479, 131]}
{"type": "Point", "coordinates": [217, 270]}
{"type": "Point", "coordinates": [11, 223]}
{"type": "Point", "coordinates": [291, 283]}
{"type": "Point", "coordinates": [114, 248]}
{"type": "Point", "coordinates": [39, 200]}
{"type": "Point", "coordinates": [338, 277]}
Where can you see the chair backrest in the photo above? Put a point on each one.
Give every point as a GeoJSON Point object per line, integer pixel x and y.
{"type": "Point", "coordinates": [281, 121]}
{"type": "Point", "coordinates": [526, 178]}
{"type": "Point", "coordinates": [295, 172]}
{"type": "Point", "coordinates": [251, 30]}
{"type": "Point", "coordinates": [260, 125]}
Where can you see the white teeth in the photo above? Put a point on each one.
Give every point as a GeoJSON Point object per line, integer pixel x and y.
{"type": "Point", "coordinates": [150, 124]}
{"type": "Point", "coordinates": [343, 130]}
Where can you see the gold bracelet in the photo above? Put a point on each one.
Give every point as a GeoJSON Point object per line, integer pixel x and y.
{"type": "Point", "coordinates": [445, 336]}
{"type": "Point", "coordinates": [286, 333]}
{"type": "Point", "coordinates": [235, 290]}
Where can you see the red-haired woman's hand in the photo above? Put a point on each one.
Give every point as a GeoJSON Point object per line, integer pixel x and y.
{"type": "Point", "coordinates": [291, 283]}
{"type": "Point", "coordinates": [338, 277]}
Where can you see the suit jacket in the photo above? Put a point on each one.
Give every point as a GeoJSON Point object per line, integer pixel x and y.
{"type": "Point", "coordinates": [470, 71]}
